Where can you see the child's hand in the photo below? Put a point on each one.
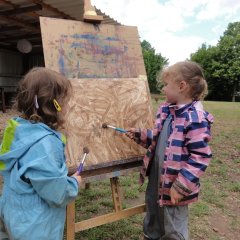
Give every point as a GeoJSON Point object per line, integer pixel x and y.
{"type": "Point", "coordinates": [77, 177]}
{"type": "Point", "coordinates": [175, 196]}
{"type": "Point", "coordinates": [131, 133]}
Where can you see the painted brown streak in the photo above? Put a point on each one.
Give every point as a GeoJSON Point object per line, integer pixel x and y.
{"type": "Point", "coordinates": [121, 102]}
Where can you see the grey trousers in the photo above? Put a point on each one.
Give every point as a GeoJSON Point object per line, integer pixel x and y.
{"type": "Point", "coordinates": [166, 223]}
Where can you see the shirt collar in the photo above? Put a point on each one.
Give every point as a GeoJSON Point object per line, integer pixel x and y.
{"type": "Point", "coordinates": [180, 108]}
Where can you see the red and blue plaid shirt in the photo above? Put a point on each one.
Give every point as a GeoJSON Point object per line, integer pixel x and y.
{"type": "Point", "coordinates": [187, 154]}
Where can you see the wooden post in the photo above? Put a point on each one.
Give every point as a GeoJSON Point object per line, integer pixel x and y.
{"type": "Point", "coordinates": [71, 221]}
{"type": "Point", "coordinates": [116, 193]}
{"type": "Point", "coordinates": [3, 100]}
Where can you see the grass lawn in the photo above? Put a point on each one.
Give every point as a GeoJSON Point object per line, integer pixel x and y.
{"type": "Point", "coordinates": [215, 216]}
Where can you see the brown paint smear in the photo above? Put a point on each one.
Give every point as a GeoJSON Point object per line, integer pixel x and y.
{"type": "Point", "coordinates": [122, 103]}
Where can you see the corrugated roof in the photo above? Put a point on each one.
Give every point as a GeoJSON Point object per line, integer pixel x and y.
{"type": "Point", "coordinates": [20, 18]}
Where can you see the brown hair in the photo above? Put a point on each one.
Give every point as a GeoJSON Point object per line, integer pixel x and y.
{"type": "Point", "coordinates": [191, 73]}
{"type": "Point", "coordinates": [45, 85]}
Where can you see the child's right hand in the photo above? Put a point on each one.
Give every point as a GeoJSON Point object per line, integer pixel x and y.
{"type": "Point", "coordinates": [131, 133]}
{"type": "Point", "coordinates": [77, 177]}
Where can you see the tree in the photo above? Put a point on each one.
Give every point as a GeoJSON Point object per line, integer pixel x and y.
{"type": "Point", "coordinates": [221, 64]}
{"type": "Point", "coordinates": [208, 58]}
{"type": "Point", "coordinates": [153, 64]}
{"type": "Point", "coordinates": [229, 49]}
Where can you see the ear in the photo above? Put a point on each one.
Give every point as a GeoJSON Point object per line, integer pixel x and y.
{"type": "Point", "coordinates": [183, 86]}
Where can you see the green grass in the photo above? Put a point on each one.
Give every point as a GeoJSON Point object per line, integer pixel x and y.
{"type": "Point", "coordinates": [220, 187]}
{"type": "Point", "coordinates": [215, 216]}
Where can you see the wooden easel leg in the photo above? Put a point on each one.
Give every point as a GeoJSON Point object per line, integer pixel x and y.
{"type": "Point", "coordinates": [115, 186]}
{"type": "Point", "coordinates": [71, 221]}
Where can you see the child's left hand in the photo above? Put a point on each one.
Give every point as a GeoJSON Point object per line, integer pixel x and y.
{"type": "Point", "coordinates": [175, 196]}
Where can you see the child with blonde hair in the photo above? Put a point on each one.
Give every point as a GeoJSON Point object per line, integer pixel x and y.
{"type": "Point", "coordinates": [178, 152]}
{"type": "Point", "coordinates": [36, 187]}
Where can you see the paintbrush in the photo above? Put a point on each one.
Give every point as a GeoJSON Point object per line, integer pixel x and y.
{"type": "Point", "coordinates": [80, 168]}
{"type": "Point", "coordinates": [104, 125]}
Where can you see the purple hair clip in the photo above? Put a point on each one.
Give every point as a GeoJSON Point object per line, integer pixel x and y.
{"type": "Point", "coordinates": [36, 102]}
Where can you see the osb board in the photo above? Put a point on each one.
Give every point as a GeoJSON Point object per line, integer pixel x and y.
{"type": "Point", "coordinates": [83, 50]}
{"type": "Point", "coordinates": [123, 103]}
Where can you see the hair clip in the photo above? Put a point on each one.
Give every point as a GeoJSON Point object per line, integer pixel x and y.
{"type": "Point", "coordinates": [36, 102]}
{"type": "Point", "coordinates": [56, 105]}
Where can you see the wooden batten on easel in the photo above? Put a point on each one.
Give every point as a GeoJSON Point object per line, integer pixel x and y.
{"type": "Point", "coordinates": [106, 67]}
{"type": "Point", "coordinates": [118, 214]}
{"type": "Point", "coordinates": [90, 14]}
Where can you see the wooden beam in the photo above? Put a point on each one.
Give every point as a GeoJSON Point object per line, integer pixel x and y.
{"type": "Point", "coordinates": [90, 14]}
{"type": "Point", "coordinates": [70, 222]}
{"type": "Point", "coordinates": [9, 47]}
{"type": "Point", "coordinates": [21, 10]}
{"type": "Point", "coordinates": [20, 23]}
{"type": "Point", "coordinates": [116, 195]}
{"type": "Point", "coordinates": [52, 9]}
{"type": "Point", "coordinates": [8, 3]}
{"type": "Point", "coordinates": [26, 36]}
{"type": "Point", "coordinates": [108, 218]}
{"type": "Point", "coordinates": [2, 95]}
{"type": "Point", "coordinates": [6, 29]}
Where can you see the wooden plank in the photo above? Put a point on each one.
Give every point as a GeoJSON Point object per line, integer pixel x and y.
{"type": "Point", "coordinates": [116, 194]}
{"type": "Point", "coordinates": [71, 221]}
{"type": "Point", "coordinates": [120, 102]}
{"type": "Point", "coordinates": [108, 218]}
{"type": "Point", "coordinates": [93, 19]}
{"type": "Point", "coordinates": [90, 14]}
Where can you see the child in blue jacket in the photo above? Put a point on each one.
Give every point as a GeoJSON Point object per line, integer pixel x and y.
{"type": "Point", "coordinates": [36, 187]}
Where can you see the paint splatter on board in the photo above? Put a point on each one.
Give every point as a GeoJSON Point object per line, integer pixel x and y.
{"type": "Point", "coordinates": [80, 50]}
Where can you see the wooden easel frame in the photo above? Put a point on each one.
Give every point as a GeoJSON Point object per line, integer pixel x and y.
{"type": "Point", "coordinates": [73, 227]}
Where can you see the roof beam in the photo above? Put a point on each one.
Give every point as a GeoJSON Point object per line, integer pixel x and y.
{"type": "Point", "coordinates": [8, 3]}
{"type": "Point", "coordinates": [5, 29]}
{"type": "Point", "coordinates": [26, 36]}
{"type": "Point", "coordinates": [21, 10]}
{"type": "Point", "coordinates": [18, 22]}
{"type": "Point", "coordinates": [52, 9]}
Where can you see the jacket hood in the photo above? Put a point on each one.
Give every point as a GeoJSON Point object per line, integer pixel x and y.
{"type": "Point", "coordinates": [19, 136]}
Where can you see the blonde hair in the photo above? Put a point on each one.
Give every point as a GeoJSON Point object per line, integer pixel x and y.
{"type": "Point", "coordinates": [43, 85]}
{"type": "Point", "coordinates": [191, 73]}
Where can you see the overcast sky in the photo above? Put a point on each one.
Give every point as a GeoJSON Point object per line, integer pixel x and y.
{"type": "Point", "coordinates": [175, 28]}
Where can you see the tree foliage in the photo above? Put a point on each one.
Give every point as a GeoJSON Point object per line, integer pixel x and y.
{"type": "Point", "coordinates": [221, 64]}
{"type": "Point", "coordinates": [154, 62]}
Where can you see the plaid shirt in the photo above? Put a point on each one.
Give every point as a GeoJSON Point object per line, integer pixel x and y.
{"type": "Point", "coordinates": [187, 154]}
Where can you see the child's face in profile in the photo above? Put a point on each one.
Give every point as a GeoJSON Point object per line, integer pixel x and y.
{"type": "Point", "coordinates": [171, 90]}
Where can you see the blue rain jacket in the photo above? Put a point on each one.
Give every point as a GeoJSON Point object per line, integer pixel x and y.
{"type": "Point", "coordinates": [36, 186]}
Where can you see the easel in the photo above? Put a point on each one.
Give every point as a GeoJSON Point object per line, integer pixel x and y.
{"type": "Point", "coordinates": [133, 71]}
{"type": "Point", "coordinates": [118, 214]}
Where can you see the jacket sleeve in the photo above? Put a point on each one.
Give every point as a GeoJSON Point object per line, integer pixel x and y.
{"type": "Point", "coordinates": [197, 138]}
{"type": "Point", "coordinates": [144, 137]}
{"type": "Point", "coordinates": [47, 173]}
